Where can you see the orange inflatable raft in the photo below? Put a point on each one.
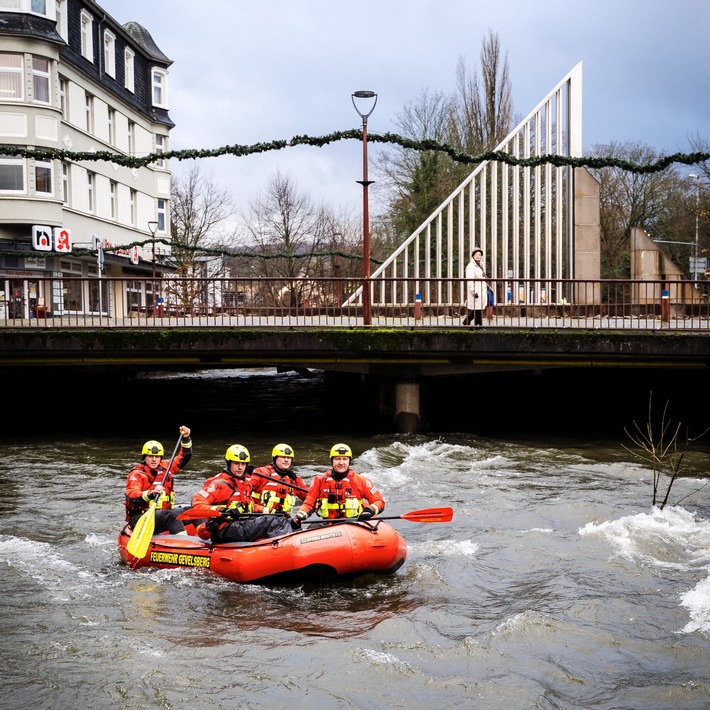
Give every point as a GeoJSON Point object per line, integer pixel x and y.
{"type": "Point", "coordinates": [314, 553]}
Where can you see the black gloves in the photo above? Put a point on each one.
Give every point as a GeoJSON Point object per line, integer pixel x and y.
{"type": "Point", "coordinates": [212, 525]}
{"type": "Point", "coordinates": [295, 522]}
{"type": "Point", "coordinates": [366, 514]}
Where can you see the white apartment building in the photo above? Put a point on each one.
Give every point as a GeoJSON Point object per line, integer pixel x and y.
{"type": "Point", "coordinates": [74, 79]}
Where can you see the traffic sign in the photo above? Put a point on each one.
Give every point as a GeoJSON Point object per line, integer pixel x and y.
{"type": "Point", "coordinates": [707, 273]}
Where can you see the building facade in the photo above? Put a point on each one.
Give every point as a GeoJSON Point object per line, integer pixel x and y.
{"type": "Point", "coordinates": [74, 79]}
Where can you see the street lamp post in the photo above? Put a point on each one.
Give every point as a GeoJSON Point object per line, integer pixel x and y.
{"type": "Point", "coordinates": [697, 214]}
{"type": "Point", "coordinates": [336, 268]}
{"type": "Point", "coordinates": [366, 296]}
{"type": "Point", "coordinates": [153, 227]}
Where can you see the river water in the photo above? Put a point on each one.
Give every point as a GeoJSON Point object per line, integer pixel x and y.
{"type": "Point", "coordinates": [556, 584]}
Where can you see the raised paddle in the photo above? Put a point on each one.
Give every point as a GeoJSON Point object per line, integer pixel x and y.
{"type": "Point", "coordinates": [425, 515]}
{"type": "Point", "coordinates": [139, 541]}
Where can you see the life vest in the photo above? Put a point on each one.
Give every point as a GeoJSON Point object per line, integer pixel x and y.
{"type": "Point", "coordinates": [338, 499]}
{"type": "Point", "coordinates": [331, 497]}
{"type": "Point", "coordinates": [140, 479]}
{"type": "Point", "coordinates": [228, 490]}
{"type": "Point", "coordinates": [275, 494]}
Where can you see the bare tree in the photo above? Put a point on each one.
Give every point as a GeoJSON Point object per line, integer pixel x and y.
{"type": "Point", "coordinates": [288, 231]}
{"type": "Point", "coordinates": [198, 211]}
{"type": "Point", "coordinates": [660, 446]}
{"type": "Point", "coordinates": [482, 108]}
{"type": "Point", "coordinates": [701, 145]}
{"type": "Point", "coordinates": [474, 119]}
{"type": "Point", "coordinates": [416, 182]}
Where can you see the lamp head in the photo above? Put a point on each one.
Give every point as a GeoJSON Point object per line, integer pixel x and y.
{"type": "Point", "coordinates": [364, 95]}
{"type": "Point", "coordinates": [153, 226]}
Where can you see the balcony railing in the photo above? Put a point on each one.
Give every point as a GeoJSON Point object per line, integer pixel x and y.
{"type": "Point", "coordinates": [72, 302]}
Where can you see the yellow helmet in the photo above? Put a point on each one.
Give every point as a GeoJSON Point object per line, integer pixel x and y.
{"type": "Point", "coordinates": [153, 448]}
{"type": "Point", "coordinates": [237, 453]}
{"type": "Point", "coordinates": [341, 450]}
{"type": "Point", "coordinates": [283, 450]}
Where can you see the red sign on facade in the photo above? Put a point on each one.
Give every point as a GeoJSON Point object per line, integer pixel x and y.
{"type": "Point", "coordinates": [134, 255]}
{"type": "Point", "coordinates": [62, 240]}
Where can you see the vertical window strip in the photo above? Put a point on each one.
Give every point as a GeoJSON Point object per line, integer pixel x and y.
{"type": "Point", "coordinates": [40, 80]}
{"type": "Point", "coordinates": [89, 113]}
{"type": "Point", "coordinates": [90, 190]}
{"type": "Point", "coordinates": [162, 214]}
{"type": "Point", "coordinates": [160, 148]}
{"type": "Point", "coordinates": [44, 173]}
{"type": "Point", "coordinates": [63, 86]}
{"type": "Point", "coordinates": [113, 198]}
{"type": "Point", "coordinates": [65, 183]}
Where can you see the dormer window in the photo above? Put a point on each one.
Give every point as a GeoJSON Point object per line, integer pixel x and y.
{"type": "Point", "coordinates": [87, 36]}
{"type": "Point", "coordinates": [129, 69]}
{"type": "Point", "coordinates": [160, 88]}
{"type": "Point", "coordinates": [110, 53]}
{"type": "Point", "coordinates": [62, 20]}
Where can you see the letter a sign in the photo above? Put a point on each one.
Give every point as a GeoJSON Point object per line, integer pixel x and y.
{"type": "Point", "coordinates": [41, 238]}
{"type": "Point", "coordinates": [62, 239]}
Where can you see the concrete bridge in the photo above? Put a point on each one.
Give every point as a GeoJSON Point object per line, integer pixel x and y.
{"type": "Point", "coordinates": [398, 367]}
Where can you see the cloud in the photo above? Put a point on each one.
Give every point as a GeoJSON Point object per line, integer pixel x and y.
{"type": "Point", "coordinates": [248, 72]}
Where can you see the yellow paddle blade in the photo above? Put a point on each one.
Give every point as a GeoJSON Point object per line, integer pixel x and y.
{"type": "Point", "coordinates": [140, 537]}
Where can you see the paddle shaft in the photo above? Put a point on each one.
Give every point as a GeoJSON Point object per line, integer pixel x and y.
{"type": "Point", "coordinates": [281, 481]}
{"type": "Point", "coordinates": [204, 513]}
{"type": "Point", "coordinates": [172, 458]}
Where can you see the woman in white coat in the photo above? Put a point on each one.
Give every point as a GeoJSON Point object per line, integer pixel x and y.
{"type": "Point", "coordinates": [476, 289]}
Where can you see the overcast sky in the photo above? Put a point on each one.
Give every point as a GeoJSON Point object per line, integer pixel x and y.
{"type": "Point", "coordinates": [250, 71]}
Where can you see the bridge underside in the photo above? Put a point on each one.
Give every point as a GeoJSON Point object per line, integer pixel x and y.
{"type": "Point", "coordinates": [404, 365]}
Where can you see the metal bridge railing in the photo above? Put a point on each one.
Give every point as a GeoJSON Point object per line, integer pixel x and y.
{"type": "Point", "coordinates": [611, 304]}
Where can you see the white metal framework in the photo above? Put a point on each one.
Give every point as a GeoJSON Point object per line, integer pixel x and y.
{"type": "Point", "coordinates": [521, 217]}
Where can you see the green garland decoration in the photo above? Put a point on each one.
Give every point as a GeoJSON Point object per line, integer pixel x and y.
{"type": "Point", "coordinates": [392, 138]}
{"type": "Point", "coordinates": [176, 246]}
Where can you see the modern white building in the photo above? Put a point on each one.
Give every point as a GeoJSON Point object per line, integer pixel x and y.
{"type": "Point", "coordinates": [74, 79]}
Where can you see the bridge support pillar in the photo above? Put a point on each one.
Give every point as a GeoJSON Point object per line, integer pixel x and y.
{"type": "Point", "coordinates": [407, 411]}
